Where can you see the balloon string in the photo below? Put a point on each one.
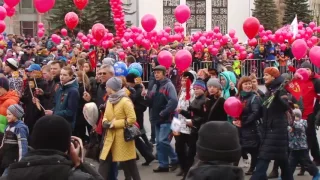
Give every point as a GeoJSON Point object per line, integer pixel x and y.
{"type": "Point", "coordinates": [80, 20]}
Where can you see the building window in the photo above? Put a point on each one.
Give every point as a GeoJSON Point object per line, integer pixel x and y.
{"type": "Point", "coordinates": [168, 12]}
{"type": "Point", "coordinates": [1, 2]}
{"type": "Point", "coordinates": [220, 15]}
{"type": "Point", "coordinates": [28, 28]}
{"type": "Point", "coordinates": [197, 20]}
{"type": "Point", "coordinates": [26, 7]}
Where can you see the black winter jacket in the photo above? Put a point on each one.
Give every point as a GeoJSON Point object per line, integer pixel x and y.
{"type": "Point", "coordinates": [216, 113]}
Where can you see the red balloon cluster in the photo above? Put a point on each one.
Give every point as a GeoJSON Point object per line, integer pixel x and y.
{"type": "Point", "coordinates": [118, 17]}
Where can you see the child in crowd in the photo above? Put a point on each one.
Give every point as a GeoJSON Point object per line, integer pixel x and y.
{"type": "Point", "coordinates": [299, 147]}
{"type": "Point", "coordinates": [15, 144]}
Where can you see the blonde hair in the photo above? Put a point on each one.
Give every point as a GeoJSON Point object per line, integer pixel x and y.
{"type": "Point", "coordinates": [82, 76]}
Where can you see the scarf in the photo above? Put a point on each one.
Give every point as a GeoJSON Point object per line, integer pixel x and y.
{"type": "Point", "coordinates": [116, 97]}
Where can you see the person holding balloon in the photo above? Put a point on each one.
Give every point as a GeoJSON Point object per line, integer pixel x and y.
{"type": "Point", "coordinates": [274, 135]}
{"type": "Point", "coordinates": [248, 120]}
{"type": "Point", "coordinates": [214, 106]}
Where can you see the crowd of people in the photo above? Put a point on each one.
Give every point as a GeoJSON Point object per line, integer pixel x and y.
{"type": "Point", "coordinates": [57, 107]}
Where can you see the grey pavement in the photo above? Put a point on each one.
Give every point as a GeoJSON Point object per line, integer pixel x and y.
{"type": "Point", "coordinates": [146, 173]}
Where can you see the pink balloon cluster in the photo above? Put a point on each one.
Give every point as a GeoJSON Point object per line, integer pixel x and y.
{"type": "Point", "coordinates": [41, 30]}
{"type": "Point", "coordinates": [118, 17]}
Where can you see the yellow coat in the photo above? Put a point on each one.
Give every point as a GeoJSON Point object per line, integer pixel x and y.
{"type": "Point", "coordinates": [114, 139]}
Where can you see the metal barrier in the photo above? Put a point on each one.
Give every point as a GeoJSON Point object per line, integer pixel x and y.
{"type": "Point", "coordinates": [248, 66]}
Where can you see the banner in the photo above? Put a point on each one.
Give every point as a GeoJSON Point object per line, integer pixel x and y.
{"type": "Point", "coordinates": [294, 89]}
{"type": "Point", "coordinates": [294, 26]}
{"type": "Point", "coordinates": [93, 59]}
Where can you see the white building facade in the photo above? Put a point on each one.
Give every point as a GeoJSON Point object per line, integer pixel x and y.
{"type": "Point", "coordinates": [205, 14]}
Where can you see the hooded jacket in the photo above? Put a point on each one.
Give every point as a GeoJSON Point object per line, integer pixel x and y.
{"type": "Point", "coordinates": [6, 100]}
{"type": "Point", "coordinates": [163, 101]}
{"type": "Point", "coordinates": [66, 101]}
{"type": "Point", "coordinates": [229, 77]}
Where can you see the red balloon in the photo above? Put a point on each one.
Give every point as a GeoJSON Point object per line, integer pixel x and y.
{"type": "Point", "coordinates": [98, 31]}
{"type": "Point", "coordinates": [40, 33]}
{"type": "Point", "coordinates": [165, 58]}
{"type": "Point", "coordinates": [64, 32]}
{"type": "Point", "coordinates": [283, 47]}
{"type": "Point", "coordinates": [10, 10]}
{"type": "Point", "coordinates": [251, 27]}
{"type": "Point", "coordinates": [3, 13]}
{"type": "Point", "coordinates": [182, 13]}
{"type": "Point", "coordinates": [71, 19]}
{"type": "Point", "coordinates": [183, 59]}
{"type": "Point", "coordinates": [84, 39]}
{"type": "Point", "coordinates": [299, 48]}
{"type": "Point", "coordinates": [105, 44]}
{"type": "Point", "coordinates": [122, 55]}
{"type": "Point", "coordinates": [44, 6]}
{"type": "Point", "coordinates": [55, 38]}
{"type": "Point", "coordinates": [164, 41]}
{"type": "Point", "coordinates": [233, 107]}
{"type": "Point", "coordinates": [148, 22]}
{"type": "Point", "coordinates": [12, 3]}
{"type": "Point", "coordinates": [235, 40]}
{"type": "Point", "coordinates": [80, 4]}
{"type": "Point", "coordinates": [253, 42]}
{"type": "Point", "coordinates": [2, 26]}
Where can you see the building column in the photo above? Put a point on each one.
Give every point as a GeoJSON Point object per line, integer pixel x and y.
{"type": "Point", "coordinates": [184, 25]}
{"type": "Point", "coordinates": [208, 15]}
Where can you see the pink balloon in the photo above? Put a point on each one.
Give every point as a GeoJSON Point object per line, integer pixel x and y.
{"type": "Point", "coordinates": [216, 29]}
{"type": "Point", "coordinates": [11, 3]}
{"type": "Point", "coordinates": [183, 59]}
{"type": "Point", "coordinates": [261, 28]}
{"type": "Point", "coordinates": [122, 55]}
{"type": "Point", "coordinates": [164, 41]}
{"type": "Point", "coordinates": [40, 25]}
{"type": "Point", "coordinates": [265, 39]}
{"type": "Point", "coordinates": [312, 25]}
{"type": "Point", "coordinates": [235, 40]}
{"type": "Point", "coordinates": [40, 33]}
{"type": "Point", "coordinates": [55, 38]}
{"type": "Point", "coordinates": [269, 32]}
{"type": "Point", "coordinates": [148, 22]}
{"type": "Point", "coordinates": [98, 31]}
{"type": "Point", "coordinates": [302, 74]}
{"type": "Point", "coordinates": [243, 55]}
{"type": "Point", "coordinates": [314, 55]}
{"type": "Point", "coordinates": [283, 47]}
{"type": "Point", "coordinates": [71, 19]}
{"type": "Point", "coordinates": [242, 48]}
{"type": "Point", "coordinates": [167, 29]}
{"type": "Point", "coordinates": [233, 107]}
{"type": "Point", "coordinates": [253, 42]}
{"type": "Point", "coordinates": [3, 13]}
{"type": "Point", "coordinates": [64, 32]}
{"type": "Point", "coordinates": [318, 29]}
{"type": "Point", "coordinates": [299, 48]}
{"type": "Point", "coordinates": [10, 10]}
{"type": "Point", "coordinates": [225, 39]}
{"type": "Point", "coordinates": [2, 26]}
{"type": "Point", "coordinates": [314, 39]}
{"type": "Point", "coordinates": [182, 13]}
{"type": "Point", "coordinates": [165, 58]}
{"type": "Point", "coordinates": [86, 45]}
{"type": "Point", "coordinates": [44, 6]}
{"type": "Point", "coordinates": [105, 44]}
{"type": "Point", "coordinates": [80, 35]}
{"type": "Point", "coordinates": [236, 46]}
{"type": "Point", "coordinates": [84, 39]}
{"type": "Point", "coordinates": [232, 33]}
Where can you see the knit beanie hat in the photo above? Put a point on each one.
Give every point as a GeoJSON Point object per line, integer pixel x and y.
{"type": "Point", "coordinates": [297, 113]}
{"type": "Point", "coordinates": [214, 82]}
{"type": "Point", "coordinates": [91, 113]}
{"type": "Point", "coordinates": [4, 83]}
{"type": "Point", "coordinates": [272, 71]}
{"type": "Point", "coordinates": [51, 132]}
{"type": "Point", "coordinates": [306, 65]}
{"type": "Point", "coordinates": [218, 141]}
{"type": "Point", "coordinates": [200, 84]}
{"type": "Point", "coordinates": [108, 61]}
{"type": "Point", "coordinates": [114, 83]}
{"type": "Point", "coordinates": [12, 63]}
{"type": "Point", "coordinates": [16, 110]}
{"type": "Point", "coordinates": [134, 71]}
{"type": "Point", "coordinates": [130, 77]}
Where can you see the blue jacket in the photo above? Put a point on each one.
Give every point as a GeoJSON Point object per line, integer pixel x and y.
{"type": "Point", "coordinates": [66, 101]}
{"type": "Point", "coordinates": [163, 101]}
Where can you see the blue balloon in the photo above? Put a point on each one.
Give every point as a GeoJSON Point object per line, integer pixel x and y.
{"type": "Point", "coordinates": [120, 69]}
{"type": "Point", "coordinates": [136, 66]}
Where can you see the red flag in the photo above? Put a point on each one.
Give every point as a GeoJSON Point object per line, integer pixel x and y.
{"type": "Point", "coordinates": [294, 88]}
{"type": "Point", "coordinates": [93, 59]}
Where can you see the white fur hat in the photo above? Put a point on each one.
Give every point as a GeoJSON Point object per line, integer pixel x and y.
{"type": "Point", "coordinates": [91, 113]}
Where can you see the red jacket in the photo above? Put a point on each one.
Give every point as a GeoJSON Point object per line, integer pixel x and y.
{"type": "Point", "coordinates": [310, 95]}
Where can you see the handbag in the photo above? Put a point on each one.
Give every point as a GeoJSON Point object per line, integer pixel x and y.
{"type": "Point", "coordinates": [130, 132]}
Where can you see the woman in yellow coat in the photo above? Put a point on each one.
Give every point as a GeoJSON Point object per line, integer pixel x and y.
{"type": "Point", "coordinates": [119, 109]}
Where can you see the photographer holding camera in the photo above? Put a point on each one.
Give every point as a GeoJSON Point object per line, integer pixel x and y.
{"type": "Point", "coordinates": [55, 155]}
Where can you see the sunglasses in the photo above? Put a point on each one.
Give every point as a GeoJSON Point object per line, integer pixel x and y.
{"type": "Point", "coordinates": [103, 73]}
